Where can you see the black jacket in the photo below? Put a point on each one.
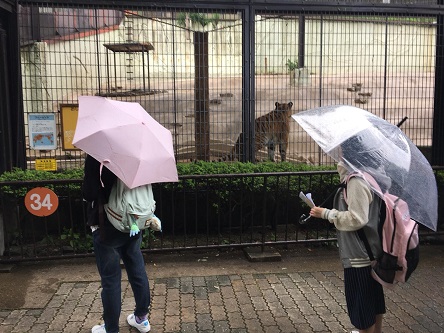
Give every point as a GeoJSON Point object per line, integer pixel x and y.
{"type": "Point", "coordinates": [92, 189]}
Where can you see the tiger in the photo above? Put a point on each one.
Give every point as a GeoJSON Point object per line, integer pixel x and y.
{"type": "Point", "coordinates": [271, 129]}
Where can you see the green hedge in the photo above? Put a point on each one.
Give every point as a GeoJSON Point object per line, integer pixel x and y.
{"type": "Point", "coordinates": [184, 169]}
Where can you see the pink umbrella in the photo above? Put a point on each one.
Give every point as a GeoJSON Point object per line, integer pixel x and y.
{"type": "Point", "coordinates": [125, 139]}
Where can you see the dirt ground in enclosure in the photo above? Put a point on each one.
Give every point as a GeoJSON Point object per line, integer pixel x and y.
{"type": "Point", "coordinates": [173, 106]}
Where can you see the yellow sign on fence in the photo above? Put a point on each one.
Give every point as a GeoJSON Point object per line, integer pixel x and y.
{"type": "Point", "coordinates": [46, 164]}
{"type": "Point", "coordinates": [69, 114]}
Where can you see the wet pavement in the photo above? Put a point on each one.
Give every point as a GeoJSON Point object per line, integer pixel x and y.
{"type": "Point", "coordinates": [219, 292]}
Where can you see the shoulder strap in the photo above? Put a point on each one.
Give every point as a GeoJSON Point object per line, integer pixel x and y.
{"type": "Point", "coordinates": [360, 232]}
{"type": "Point", "coordinates": [364, 239]}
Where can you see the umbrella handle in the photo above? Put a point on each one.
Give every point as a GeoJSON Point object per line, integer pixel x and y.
{"type": "Point", "coordinates": [402, 121]}
{"type": "Point", "coordinates": [304, 219]}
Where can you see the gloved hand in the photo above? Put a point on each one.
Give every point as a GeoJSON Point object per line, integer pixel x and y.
{"type": "Point", "coordinates": [134, 230]}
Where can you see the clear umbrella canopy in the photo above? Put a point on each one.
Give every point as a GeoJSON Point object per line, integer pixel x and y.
{"type": "Point", "coordinates": [372, 145]}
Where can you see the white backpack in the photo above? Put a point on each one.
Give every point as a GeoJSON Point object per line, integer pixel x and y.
{"type": "Point", "coordinates": [128, 208]}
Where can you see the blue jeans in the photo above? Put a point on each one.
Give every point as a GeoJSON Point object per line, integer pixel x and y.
{"type": "Point", "coordinates": [108, 255]}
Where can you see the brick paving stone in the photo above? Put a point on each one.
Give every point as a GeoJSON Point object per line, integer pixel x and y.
{"type": "Point", "coordinates": [235, 320]}
{"type": "Point", "coordinates": [281, 302]}
{"type": "Point", "coordinates": [172, 323]}
{"type": "Point", "coordinates": [224, 280]}
{"type": "Point", "coordinates": [204, 322]}
{"type": "Point", "coordinates": [253, 325]}
{"type": "Point", "coordinates": [160, 289]}
{"type": "Point", "coordinates": [86, 299]}
{"type": "Point", "coordinates": [248, 279]}
{"type": "Point", "coordinates": [227, 292]}
{"type": "Point", "coordinates": [288, 302]}
{"type": "Point", "coordinates": [199, 281]}
{"type": "Point", "coordinates": [58, 324]}
{"type": "Point", "coordinates": [187, 300]}
{"type": "Point", "coordinates": [202, 306]}
{"type": "Point", "coordinates": [253, 290]}
{"type": "Point", "coordinates": [186, 287]}
{"type": "Point", "coordinates": [266, 318]}
{"type": "Point", "coordinates": [159, 301]}
{"type": "Point", "coordinates": [56, 301]}
{"type": "Point", "coordinates": [218, 312]}
{"type": "Point", "coordinates": [188, 328]}
{"type": "Point", "coordinates": [38, 328]}
{"type": "Point", "coordinates": [316, 323]}
{"type": "Point", "coordinates": [221, 326]}
{"type": "Point", "coordinates": [78, 313]}
{"type": "Point", "coordinates": [64, 289]}
{"type": "Point", "coordinates": [215, 299]}
{"type": "Point", "coordinates": [6, 328]}
{"type": "Point", "coordinates": [200, 293]}
{"type": "Point", "coordinates": [248, 311]}
{"type": "Point", "coordinates": [25, 323]}
{"type": "Point", "coordinates": [188, 315]}
{"type": "Point", "coordinates": [239, 330]}
{"type": "Point", "coordinates": [73, 326]}
{"type": "Point", "coordinates": [259, 303]}
{"type": "Point", "coordinates": [277, 309]}
{"type": "Point", "coordinates": [4, 313]}
{"type": "Point", "coordinates": [172, 283]}
{"type": "Point", "coordinates": [296, 316]}
{"type": "Point", "coordinates": [279, 289]}
{"type": "Point", "coordinates": [324, 313]}
{"type": "Point", "coordinates": [285, 325]}
{"type": "Point", "coordinates": [243, 298]}
{"type": "Point", "coordinates": [14, 317]}
{"type": "Point", "coordinates": [231, 304]}
{"type": "Point", "coordinates": [263, 284]}
{"type": "Point", "coordinates": [172, 295]}
{"type": "Point", "coordinates": [157, 316]}
{"type": "Point", "coordinates": [270, 296]}
{"type": "Point", "coordinates": [238, 286]}
{"type": "Point", "coordinates": [296, 295]}
{"type": "Point", "coordinates": [172, 308]}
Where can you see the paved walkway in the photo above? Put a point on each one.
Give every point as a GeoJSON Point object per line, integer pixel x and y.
{"type": "Point", "coordinates": [221, 293]}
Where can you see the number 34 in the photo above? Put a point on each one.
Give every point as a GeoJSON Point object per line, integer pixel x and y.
{"type": "Point", "coordinates": [41, 201]}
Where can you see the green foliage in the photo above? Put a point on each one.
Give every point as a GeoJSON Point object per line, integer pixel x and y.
{"type": "Point", "coordinates": [148, 236]}
{"type": "Point", "coordinates": [184, 169]}
{"type": "Point", "coordinates": [198, 18]}
{"type": "Point", "coordinates": [440, 182]}
{"type": "Point", "coordinates": [292, 65]}
{"type": "Point", "coordinates": [18, 175]}
{"type": "Point", "coordinates": [76, 241]}
{"type": "Point", "coordinates": [217, 168]}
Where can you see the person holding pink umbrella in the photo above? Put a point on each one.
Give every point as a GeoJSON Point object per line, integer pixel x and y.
{"type": "Point", "coordinates": [111, 245]}
{"type": "Point", "coordinates": [122, 140]}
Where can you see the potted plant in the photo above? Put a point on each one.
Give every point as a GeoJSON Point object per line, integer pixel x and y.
{"type": "Point", "coordinates": [292, 67]}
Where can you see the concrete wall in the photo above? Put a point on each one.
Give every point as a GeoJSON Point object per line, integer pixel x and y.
{"type": "Point", "coordinates": [58, 71]}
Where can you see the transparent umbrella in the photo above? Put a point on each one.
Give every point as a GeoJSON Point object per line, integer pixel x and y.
{"type": "Point", "coordinates": [370, 144]}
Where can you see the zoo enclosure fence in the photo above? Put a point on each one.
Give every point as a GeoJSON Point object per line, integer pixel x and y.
{"type": "Point", "coordinates": [207, 69]}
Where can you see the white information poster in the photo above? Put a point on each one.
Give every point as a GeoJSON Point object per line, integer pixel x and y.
{"type": "Point", "coordinates": [42, 131]}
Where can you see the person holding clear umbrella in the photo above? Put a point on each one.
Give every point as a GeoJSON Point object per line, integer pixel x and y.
{"type": "Point", "coordinates": [364, 295]}
{"type": "Point", "coordinates": [377, 150]}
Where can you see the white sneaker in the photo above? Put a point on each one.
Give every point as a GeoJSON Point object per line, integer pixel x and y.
{"type": "Point", "coordinates": [143, 327]}
{"type": "Point", "coordinates": [98, 329]}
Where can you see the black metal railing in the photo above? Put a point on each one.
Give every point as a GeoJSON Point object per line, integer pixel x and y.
{"type": "Point", "coordinates": [198, 212]}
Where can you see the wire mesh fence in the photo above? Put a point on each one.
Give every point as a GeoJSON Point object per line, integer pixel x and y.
{"type": "Point", "coordinates": [213, 74]}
